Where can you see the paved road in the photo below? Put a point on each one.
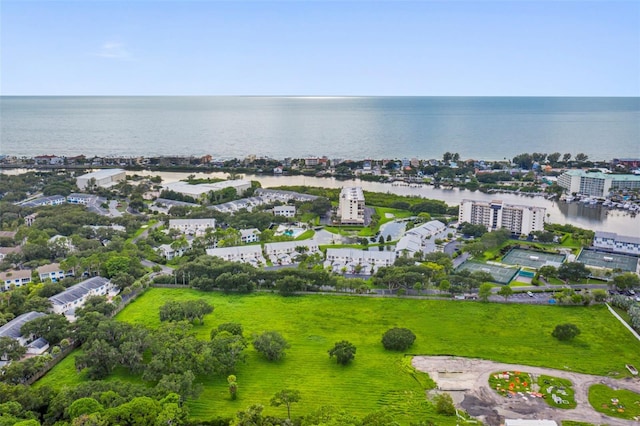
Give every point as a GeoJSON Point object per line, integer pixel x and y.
{"type": "Point", "coordinates": [471, 376]}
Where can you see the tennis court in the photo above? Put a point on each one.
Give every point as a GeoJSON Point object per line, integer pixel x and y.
{"type": "Point", "coordinates": [500, 274]}
{"type": "Point", "coordinates": [600, 259]}
{"type": "Point", "coordinates": [532, 259]}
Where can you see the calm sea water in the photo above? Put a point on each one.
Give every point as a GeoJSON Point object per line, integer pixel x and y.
{"type": "Point", "coordinates": [342, 127]}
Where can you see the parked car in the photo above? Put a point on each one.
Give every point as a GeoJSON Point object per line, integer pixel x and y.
{"type": "Point", "coordinates": [529, 294]}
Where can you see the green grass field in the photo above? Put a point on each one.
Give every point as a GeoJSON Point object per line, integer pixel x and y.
{"type": "Point", "coordinates": [615, 403]}
{"type": "Point", "coordinates": [378, 379]}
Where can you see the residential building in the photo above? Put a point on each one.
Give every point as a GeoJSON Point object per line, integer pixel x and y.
{"type": "Point", "coordinates": [284, 252]}
{"type": "Point", "coordinates": [421, 238]}
{"type": "Point", "coordinates": [518, 219]}
{"type": "Point", "coordinates": [351, 206]}
{"type": "Point", "coordinates": [77, 198]}
{"type": "Point", "coordinates": [52, 200]}
{"type": "Point", "coordinates": [250, 235]}
{"type": "Point", "coordinates": [596, 184]}
{"type": "Point", "coordinates": [12, 329]}
{"type": "Point", "coordinates": [192, 226]}
{"type": "Point", "coordinates": [29, 219]}
{"type": "Point", "coordinates": [243, 254]}
{"type": "Point", "coordinates": [273, 195]}
{"type": "Point", "coordinates": [8, 234]}
{"type": "Point", "coordinates": [616, 243]}
{"type": "Point", "coordinates": [201, 191]}
{"type": "Point", "coordinates": [286, 211]}
{"type": "Point", "coordinates": [5, 251]}
{"type": "Point", "coordinates": [74, 297]}
{"type": "Point", "coordinates": [102, 178]}
{"type": "Point", "coordinates": [358, 261]}
{"type": "Point", "coordinates": [52, 272]}
{"type": "Point", "coordinates": [168, 252]}
{"type": "Point", "coordinates": [17, 278]}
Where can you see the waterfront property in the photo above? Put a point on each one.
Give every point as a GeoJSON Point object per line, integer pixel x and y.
{"type": "Point", "coordinates": [351, 206]}
{"type": "Point", "coordinates": [202, 190]}
{"type": "Point", "coordinates": [518, 219]}
{"type": "Point", "coordinates": [616, 243]}
{"type": "Point", "coordinates": [74, 297]}
{"type": "Point", "coordinates": [596, 184]}
{"type": "Point", "coordinates": [103, 178]}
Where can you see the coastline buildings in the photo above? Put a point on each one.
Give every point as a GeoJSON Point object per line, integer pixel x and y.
{"type": "Point", "coordinates": [596, 184]}
{"type": "Point", "coordinates": [351, 206]}
{"type": "Point", "coordinates": [192, 226]}
{"type": "Point", "coordinates": [200, 191]}
{"type": "Point", "coordinates": [495, 215]}
{"type": "Point", "coordinates": [421, 238]}
{"type": "Point", "coordinates": [616, 243]}
{"type": "Point", "coordinates": [102, 178]}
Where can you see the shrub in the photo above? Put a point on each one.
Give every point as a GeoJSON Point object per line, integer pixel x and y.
{"type": "Point", "coordinates": [398, 339]}
{"type": "Point", "coordinates": [271, 344]}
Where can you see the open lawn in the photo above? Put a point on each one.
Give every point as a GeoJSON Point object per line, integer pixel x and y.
{"type": "Point", "coordinates": [379, 379]}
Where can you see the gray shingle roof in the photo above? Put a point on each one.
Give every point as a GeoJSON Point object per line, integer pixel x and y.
{"type": "Point", "coordinates": [12, 328]}
{"type": "Point", "coordinates": [75, 292]}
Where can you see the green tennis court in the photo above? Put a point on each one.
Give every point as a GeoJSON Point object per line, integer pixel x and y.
{"type": "Point", "coordinates": [500, 274]}
{"type": "Point", "coordinates": [532, 259]}
{"type": "Point", "coordinates": [600, 259]}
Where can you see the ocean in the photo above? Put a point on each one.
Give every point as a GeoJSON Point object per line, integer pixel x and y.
{"type": "Point", "coordinates": [491, 128]}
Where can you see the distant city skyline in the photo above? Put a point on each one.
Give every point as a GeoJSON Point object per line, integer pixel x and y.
{"type": "Point", "coordinates": [318, 48]}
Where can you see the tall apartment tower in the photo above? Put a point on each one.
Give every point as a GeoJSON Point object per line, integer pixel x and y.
{"type": "Point", "coordinates": [495, 215]}
{"type": "Point", "coordinates": [351, 206]}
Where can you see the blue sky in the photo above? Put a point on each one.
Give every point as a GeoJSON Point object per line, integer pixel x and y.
{"type": "Point", "coordinates": [430, 48]}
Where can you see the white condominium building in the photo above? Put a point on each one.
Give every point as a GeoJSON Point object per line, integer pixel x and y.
{"type": "Point", "coordinates": [351, 207]}
{"type": "Point", "coordinates": [596, 184]}
{"type": "Point", "coordinates": [495, 215]}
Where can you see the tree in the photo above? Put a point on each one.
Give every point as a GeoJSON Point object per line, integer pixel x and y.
{"type": "Point", "coordinates": [444, 405]}
{"type": "Point", "coordinates": [573, 271]}
{"type": "Point", "coordinates": [485, 291]}
{"type": "Point", "coordinates": [628, 280]}
{"type": "Point", "coordinates": [52, 328]}
{"type": "Point", "coordinates": [398, 339]}
{"type": "Point", "coordinates": [286, 397]}
{"type": "Point", "coordinates": [506, 292]}
{"type": "Point", "coordinates": [566, 157]}
{"type": "Point", "coordinates": [344, 352]}
{"type": "Point", "coordinates": [11, 349]}
{"type": "Point", "coordinates": [226, 351]}
{"type": "Point", "coordinates": [565, 332]}
{"type": "Point", "coordinates": [444, 286]}
{"type": "Point", "coordinates": [581, 157]}
{"type": "Point", "coordinates": [271, 344]}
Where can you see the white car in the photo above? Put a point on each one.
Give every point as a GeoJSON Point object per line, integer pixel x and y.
{"type": "Point", "coordinates": [529, 294]}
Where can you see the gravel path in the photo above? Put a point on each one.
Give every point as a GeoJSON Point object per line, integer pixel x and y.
{"type": "Point", "coordinates": [467, 380]}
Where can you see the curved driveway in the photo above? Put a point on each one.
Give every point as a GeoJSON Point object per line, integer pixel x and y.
{"type": "Point", "coordinates": [472, 376]}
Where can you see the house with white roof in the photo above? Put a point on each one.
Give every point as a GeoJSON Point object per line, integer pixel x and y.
{"type": "Point", "coordinates": [250, 235]}
{"type": "Point", "coordinates": [616, 243]}
{"type": "Point", "coordinates": [51, 200]}
{"type": "Point", "coordinates": [421, 238]}
{"type": "Point", "coordinates": [16, 278]}
{"type": "Point", "coordinates": [358, 261]}
{"type": "Point", "coordinates": [286, 211]}
{"type": "Point", "coordinates": [102, 178]}
{"type": "Point", "coordinates": [243, 254]}
{"type": "Point", "coordinates": [12, 329]}
{"type": "Point", "coordinates": [74, 297]}
{"type": "Point", "coordinates": [168, 252]}
{"type": "Point", "coordinates": [282, 252]}
{"type": "Point", "coordinates": [195, 227]}
{"type": "Point", "coordinates": [200, 191]}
